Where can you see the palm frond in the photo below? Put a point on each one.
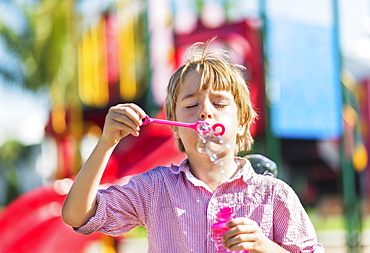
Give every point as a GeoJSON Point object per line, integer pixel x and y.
{"type": "Point", "coordinates": [41, 46]}
{"type": "Point", "coordinates": [9, 77]}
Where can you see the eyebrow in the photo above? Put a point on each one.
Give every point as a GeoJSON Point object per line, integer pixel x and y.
{"type": "Point", "coordinates": [191, 95]}
{"type": "Point", "coordinates": [214, 93]}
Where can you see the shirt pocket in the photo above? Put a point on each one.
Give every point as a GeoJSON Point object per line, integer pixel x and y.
{"type": "Point", "coordinates": [262, 214]}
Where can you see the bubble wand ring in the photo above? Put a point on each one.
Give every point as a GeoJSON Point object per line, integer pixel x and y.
{"type": "Point", "coordinates": [201, 127]}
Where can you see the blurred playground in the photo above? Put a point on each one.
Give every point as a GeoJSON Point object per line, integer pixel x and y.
{"type": "Point", "coordinates": [64, 63]}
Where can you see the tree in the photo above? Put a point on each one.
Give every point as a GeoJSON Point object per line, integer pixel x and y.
{"type": "Point", "coordinates": [45, 52]}
{"type": "Point", "coordinates": [10, 152]}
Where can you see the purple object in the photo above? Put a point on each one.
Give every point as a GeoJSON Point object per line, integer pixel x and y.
{"type": "Point", "coordinates": [219, 228]}
{"type": "Point", "coordinates": [201, 127]}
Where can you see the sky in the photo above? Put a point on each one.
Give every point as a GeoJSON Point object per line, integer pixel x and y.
{"type": "Point", "coordinates": [23, 115]}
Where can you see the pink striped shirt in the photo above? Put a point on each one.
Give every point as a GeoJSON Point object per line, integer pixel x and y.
{"type": "Point", "coordinates": [178, 210]}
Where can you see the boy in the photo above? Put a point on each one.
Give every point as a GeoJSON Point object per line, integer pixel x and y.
{"type": "Point", "coordinates": [177, 204]}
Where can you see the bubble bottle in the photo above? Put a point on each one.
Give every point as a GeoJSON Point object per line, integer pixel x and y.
{"type": "Point", "coordinates": [219, 228]}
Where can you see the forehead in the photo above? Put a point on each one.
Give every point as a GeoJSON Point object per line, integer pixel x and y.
{"type": "Point", "coordinates": [191, 82]}
{"type": "Point", "coordinates": [198, 81]}
{"type": "Point", "coordinates": [192, 87]}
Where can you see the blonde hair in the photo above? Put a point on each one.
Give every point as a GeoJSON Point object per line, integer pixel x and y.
{"type": "Point", "coordinates": [219, 73]}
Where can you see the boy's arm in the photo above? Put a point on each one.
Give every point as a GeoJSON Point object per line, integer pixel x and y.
{"type": "Point", "coordinates": [80, 204]}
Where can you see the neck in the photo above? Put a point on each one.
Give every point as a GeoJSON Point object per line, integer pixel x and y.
{"type": "Point", "coordinates": [212, 174]}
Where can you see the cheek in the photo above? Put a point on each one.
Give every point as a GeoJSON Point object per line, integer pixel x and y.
{"type": "Point", "coordinates": [189, 137]}
{"type": "Point", "coordinates": [186, 116]}
{"type": "Point", "coordinates": [186, 133]}
{"type": "Point", "coordinates": [231, 130]}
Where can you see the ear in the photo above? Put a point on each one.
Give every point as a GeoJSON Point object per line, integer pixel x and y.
{"type": "Point", "coordinates": [241, 130]}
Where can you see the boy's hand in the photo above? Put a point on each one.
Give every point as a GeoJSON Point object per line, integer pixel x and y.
{"type": "Point", "coordinates": [245, 234]}
{"type": "Point", "coordinates": [120, 121]}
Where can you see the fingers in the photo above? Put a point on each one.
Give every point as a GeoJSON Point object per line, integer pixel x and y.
{"type": "Point", "coordinates": [242, 241]}
{"type": "Point", "coordinates": [241, 226]}
{"type": "Point", "coordinates": [121, 120]}
{"type": "Point", "coordinates": [127, 117]}
{"type": "Point", "coordinates": [244, 234]}
{"type": "Point", "coordinates": [241, 221]}
{"type": "Point", "coordinates": [241, 245]}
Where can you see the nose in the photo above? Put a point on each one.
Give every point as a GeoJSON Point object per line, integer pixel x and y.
{"type": "Point", "coordinates": [204, 116]}
{"type": "Point", "coordinates": [205, 113]}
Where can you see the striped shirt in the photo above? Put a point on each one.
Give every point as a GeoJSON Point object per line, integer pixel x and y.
{"type": "Point", "coordinates": [178, 210]}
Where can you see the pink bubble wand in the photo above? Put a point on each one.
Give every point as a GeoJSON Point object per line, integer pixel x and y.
{"type": "Point", "coordinates": [201, 127]}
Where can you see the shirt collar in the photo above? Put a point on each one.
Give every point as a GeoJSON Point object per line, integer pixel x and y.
{"type": "Point", "coordinates": [183, 167]}
{"type": "Point", "coordinates": [246, 172]}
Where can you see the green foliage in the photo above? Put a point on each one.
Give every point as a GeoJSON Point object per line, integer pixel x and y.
{"type": "Point", "coordinates": [332, 222]}
{"type": "Point", "coordinates": [138, 232]}
{"type": "Point", "coordinates": [11, 152]}
{"type": "Point", "coordinates": [44, 48]}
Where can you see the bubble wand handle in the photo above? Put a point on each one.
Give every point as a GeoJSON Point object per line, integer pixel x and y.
{"type": "Point", "coordinates": [217, 128]}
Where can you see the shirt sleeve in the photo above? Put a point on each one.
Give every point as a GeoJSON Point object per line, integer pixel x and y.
{"type": "Point", "coordinates": [121, 208]}
{"type": "Point", "coordinates": [293, 229]}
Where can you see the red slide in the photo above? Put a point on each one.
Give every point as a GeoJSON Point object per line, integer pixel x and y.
{"type": "Point", "coordinates": [32, 223]}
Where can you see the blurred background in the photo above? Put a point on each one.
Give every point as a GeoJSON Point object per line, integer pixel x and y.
{"type": "Point", "coordinates": [64, 63]}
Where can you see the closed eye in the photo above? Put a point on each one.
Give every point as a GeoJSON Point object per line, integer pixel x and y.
{"type": "Point", "coordinates": [191, 106]}
{"type": "Point", "coordinates": [219, 105]}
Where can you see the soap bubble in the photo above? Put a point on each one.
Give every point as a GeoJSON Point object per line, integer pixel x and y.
{"type": "Point", "coordinates": [212, 144]}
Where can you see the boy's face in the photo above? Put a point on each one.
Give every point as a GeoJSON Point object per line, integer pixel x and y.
{"type": "Point", "coordinates": [209, 105]}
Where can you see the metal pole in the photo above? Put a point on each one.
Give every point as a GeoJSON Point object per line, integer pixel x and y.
{"type": "Point", "coordinates": [351, 201]}
{"type": "Point", "coordinates": [273, 145]}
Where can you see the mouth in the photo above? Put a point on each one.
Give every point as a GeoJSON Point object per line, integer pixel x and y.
{"type": "Point", "coordinates": [205, 128]}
